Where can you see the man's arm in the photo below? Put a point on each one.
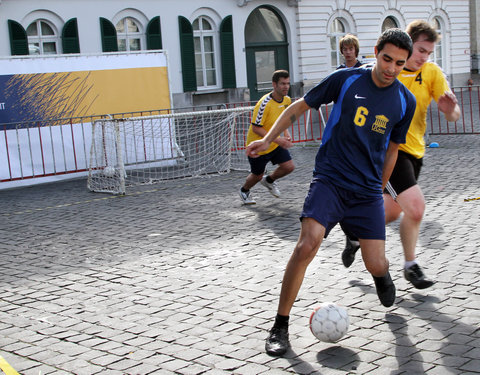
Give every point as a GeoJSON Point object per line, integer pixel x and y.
{"type": "Point", "coordinates": [285, 141]}
{"type": "Point", "coordinates": [389, 163]}
{"type": "Point", "coordinates": [283, 122]}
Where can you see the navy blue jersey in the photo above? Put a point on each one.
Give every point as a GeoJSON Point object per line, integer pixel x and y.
{"type": "Point", "coordinates": [344, 66]}
{"type": "Point", "coordinates": [363, 120]}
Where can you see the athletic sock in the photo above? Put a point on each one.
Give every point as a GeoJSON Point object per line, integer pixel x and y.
{"type": "Point", "coordinates": [281, 321]}
{"type": "Point", "coordinates": [409, 263]}
{"type": "Point", "coordinates": [243, 190]}
{"type": "Point", "coordinates": [269, 179]}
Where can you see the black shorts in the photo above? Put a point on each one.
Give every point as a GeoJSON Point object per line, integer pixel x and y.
{"type": "Point", "coordinates": [405, 174]}
{"type": "Point", "coordinates": [278, 156]}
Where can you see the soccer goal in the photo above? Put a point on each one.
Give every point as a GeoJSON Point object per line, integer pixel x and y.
{"type": "Point", "coordinates": [149, 149]}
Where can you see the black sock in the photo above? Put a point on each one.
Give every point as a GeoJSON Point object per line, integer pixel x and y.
{"type": "Point", "coordinates": [269, 179]}
{"type": "Point", "coordinates": [281, 321]}
{"type": "Point", "coordinates": [243, 190]}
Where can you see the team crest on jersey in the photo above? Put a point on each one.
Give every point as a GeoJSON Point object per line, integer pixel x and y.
{"type": "Point", "coordinates": [380, 124]}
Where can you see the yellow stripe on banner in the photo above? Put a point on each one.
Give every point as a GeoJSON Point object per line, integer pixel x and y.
{"type": "Point", "coordinates": [6, 368]}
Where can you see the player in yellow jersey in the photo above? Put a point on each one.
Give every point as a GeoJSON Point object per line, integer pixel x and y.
{"type": "Point", "coordinates": [426, 81]}
{"type": "Point", "coordinates": [266, 111]}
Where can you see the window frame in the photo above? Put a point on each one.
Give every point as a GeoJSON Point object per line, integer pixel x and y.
{"type": "Point", "coordinates": [214, 34]}
{"type": "Point", "coordinates": [43, 39]}
{"type": "Point", "coordinates": [128, 36]}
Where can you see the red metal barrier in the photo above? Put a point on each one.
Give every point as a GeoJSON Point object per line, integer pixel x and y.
{"type": "Point", "coordinates": [18, 140]}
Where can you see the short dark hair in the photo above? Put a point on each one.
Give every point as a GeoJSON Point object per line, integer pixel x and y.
{"type": "Point", "coordinates": [277, 74]}
{"type": "Point", "coordinates": [350, 40]}
{"type": "Point", "coordinates": [398, 38]}
{"type": "Point", "coordinates": [420, 27]}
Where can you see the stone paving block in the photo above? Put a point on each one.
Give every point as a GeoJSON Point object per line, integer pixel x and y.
{"type": "Point", "coordinates": [163, 286]}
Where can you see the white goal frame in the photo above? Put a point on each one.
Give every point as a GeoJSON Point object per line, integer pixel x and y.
{"type": "Point", "coordinates": [149, 149]}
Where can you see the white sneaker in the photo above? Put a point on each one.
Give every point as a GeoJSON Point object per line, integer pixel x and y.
{"type": "Point", "coordinates": [246, 198]}
{"type": "Point", "coordinates": [272, 187]}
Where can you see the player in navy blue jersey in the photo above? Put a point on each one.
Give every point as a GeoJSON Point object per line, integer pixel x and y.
{"type": "Point", "coordinates": [370, 118]}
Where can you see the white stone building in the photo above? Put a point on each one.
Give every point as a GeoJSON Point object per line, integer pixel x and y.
{"type": "Point", "coordinates": [224, 51]}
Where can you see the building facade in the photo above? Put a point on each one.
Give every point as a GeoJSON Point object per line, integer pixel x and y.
{"type": "Point", "coordinates": [224, 51]}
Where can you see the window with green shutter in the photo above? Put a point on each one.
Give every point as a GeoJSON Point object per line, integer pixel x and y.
{"type": "Point", "coordinates": [18, 39]}
{"type": "Point", "coordinates": [109, 36]}
{"type": "Point", "coordinates": [187, 54]}
{"type": "Point", "coordinates": [154, 34]}
{"type": "Point", "coordinates": [70, 42]}
{"type": "Point", "coordinates": [228, 55]}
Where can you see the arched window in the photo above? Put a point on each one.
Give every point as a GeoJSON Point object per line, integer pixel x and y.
{"type": "Point", "coordinates": [129, 35]}
{"type": "Point", "coordinates": [389, 23]}
{"type": "Point", "coordinates": [205, 42]}
{"type": "Point", "coordinates": [438, 52]}
{"type": "Point", "coordinates": [336, 32]}
{"type": "Point", "coordinates": [42, 38]}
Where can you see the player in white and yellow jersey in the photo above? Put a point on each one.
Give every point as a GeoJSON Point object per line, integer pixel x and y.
{"type": "Point", "coordinates": [265, 113]}
{"type": "Point", "coordinates": [426, 81]}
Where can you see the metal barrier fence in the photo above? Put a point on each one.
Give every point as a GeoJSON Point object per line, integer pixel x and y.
{"type": "Point", "coordinates": [60, 147]}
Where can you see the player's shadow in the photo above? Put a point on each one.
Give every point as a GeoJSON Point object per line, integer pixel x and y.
{"type": "Point", "coordinates": [453, 332]}
{"type": "Point", "coordinates": [404, 347]}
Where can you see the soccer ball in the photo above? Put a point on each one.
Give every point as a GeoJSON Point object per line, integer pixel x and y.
{"type": "Point", "coordinates": [329, 322]}
{"type": "Point", "coordinates": [109, 171]}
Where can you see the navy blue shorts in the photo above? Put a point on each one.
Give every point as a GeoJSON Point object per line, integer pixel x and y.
{"type": "Point", "coordinates": [278, 156]}
{"type": "Point", "coordinates": [359, 215]}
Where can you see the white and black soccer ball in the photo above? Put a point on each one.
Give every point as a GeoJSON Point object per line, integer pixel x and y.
{"type": "Point", "coordinates": [329, 322]}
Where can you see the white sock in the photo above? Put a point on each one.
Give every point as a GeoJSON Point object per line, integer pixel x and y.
{"type": "Point", "coordinates": [409, 263]}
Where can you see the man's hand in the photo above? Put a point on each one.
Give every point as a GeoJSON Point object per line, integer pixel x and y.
{"type": "Point", "coordinates": [285, 142]}
{"type": "Point", "coordinates": [448, 104]}
{"type": "Point", "coordinates": [255, 147]}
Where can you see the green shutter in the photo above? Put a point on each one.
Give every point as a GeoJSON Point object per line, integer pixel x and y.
{"type": "Point", "coordinates": [228, 55]}
{"type": "Point", "coordinates": [154, 34]}
{"type": "Point", "coordinates": [70, 42]}
{"type": "Point", "coordinates": [188, 55]}
{"type": "Point", "coordinates": [109, 36]}
{"type": "Point", "coordinates": [18, 39]}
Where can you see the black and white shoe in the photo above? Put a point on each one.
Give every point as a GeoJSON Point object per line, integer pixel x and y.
{"type": "Point", "coordinates": [277, 342]}
{"type": "Point", "coordinates": [415, 275]}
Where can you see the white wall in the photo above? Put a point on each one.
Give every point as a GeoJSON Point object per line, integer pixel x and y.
{"type": "Point", "coordinates": [366, 18]}
{"type": "Point", "coordinates": [306, 21]}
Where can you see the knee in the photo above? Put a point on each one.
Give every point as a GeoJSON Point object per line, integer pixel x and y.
{"type": "Point", "coordinates": [416, 212]}
{"type": "Point", "coordinates": [306, 250]}
{"type": "Point", "coordinates": [290, 168]}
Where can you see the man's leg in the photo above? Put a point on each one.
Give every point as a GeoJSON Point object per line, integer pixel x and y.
{"type": "Point", "coordinates": [373, 254]}
{"type": "Point", "coordinates": [311, 236]}
{"type": "Point", "coordinates": [282, 170]}
{"type": "Point", "coordinates": [412, 203]}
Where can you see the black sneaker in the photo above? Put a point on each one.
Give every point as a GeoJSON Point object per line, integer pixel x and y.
{"type": "Point", "coordinates": [277, 343]}
{"type": "Point", "coordinates": [415, 275]}
{"type": "Point", "coordinates": [348, 255]}
{"type": "Point", "coordinates": [385, 289]}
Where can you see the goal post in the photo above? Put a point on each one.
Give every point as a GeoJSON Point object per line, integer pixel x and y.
{"type": "Point", "coordinates": [148, 149]}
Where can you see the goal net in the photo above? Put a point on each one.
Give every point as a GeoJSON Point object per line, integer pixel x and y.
{"type": "Point", "coordinates": [145, 150]}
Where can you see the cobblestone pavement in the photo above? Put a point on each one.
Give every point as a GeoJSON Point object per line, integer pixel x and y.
{"type": "Point", "coordinates": [180, 278]}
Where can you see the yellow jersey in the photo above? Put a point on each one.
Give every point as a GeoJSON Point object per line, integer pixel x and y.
{"type": "Point", "coordinates": [427, 83]}
{"type": "Point", "coordinates": [265, 113]}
